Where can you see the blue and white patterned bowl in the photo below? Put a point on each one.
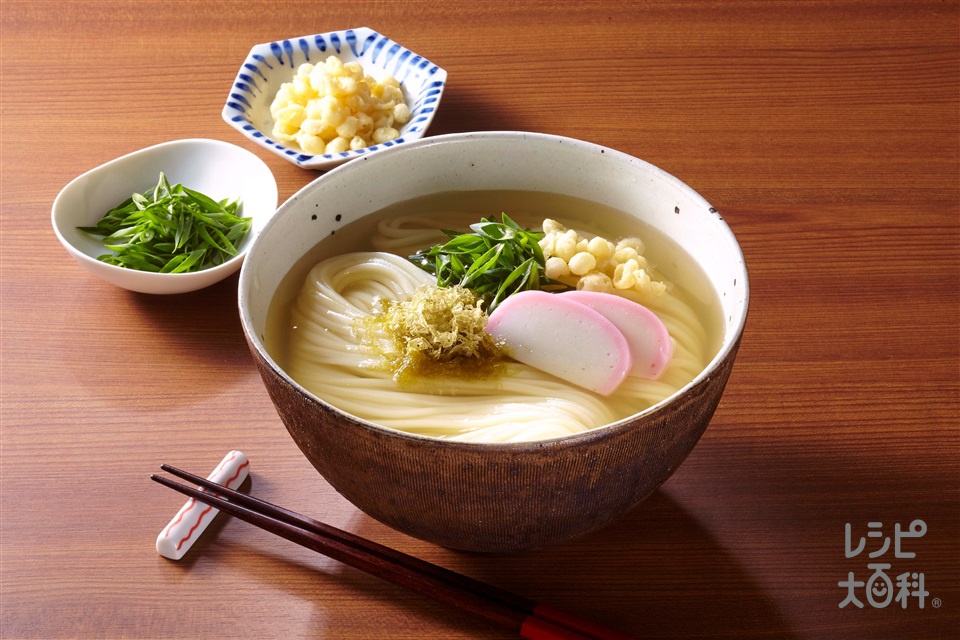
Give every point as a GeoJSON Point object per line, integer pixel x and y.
{"type": "Point", "coordinates": [271, 64]}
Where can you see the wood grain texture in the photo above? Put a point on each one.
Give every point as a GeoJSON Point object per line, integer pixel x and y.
{"type": "Point", "coordinates": [827, 133]}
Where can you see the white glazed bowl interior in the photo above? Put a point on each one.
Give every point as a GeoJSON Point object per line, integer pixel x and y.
{"type": "Point", "coordinates": [215, 168]}
{"type": "Point", "coordinates": [496, 160]}
{"type": "Point", "coordinates": [271, 64]}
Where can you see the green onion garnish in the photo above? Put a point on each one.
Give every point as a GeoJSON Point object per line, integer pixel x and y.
{"type": "Point", "coordinates": [497, 260]}
{"type": "Point", "coordinates": [171, 229]}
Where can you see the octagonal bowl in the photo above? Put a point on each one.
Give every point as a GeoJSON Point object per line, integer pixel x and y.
{"type": "Point", "coordinates": [271, 64]}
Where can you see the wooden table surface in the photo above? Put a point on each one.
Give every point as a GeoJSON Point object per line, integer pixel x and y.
{"type": "Point", "coordinates": [827, 135]}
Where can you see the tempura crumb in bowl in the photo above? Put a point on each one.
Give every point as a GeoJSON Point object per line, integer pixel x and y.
{"type": "Point", "coordinates": [339, 104]}
{"type": "Point", "coordinates": [491, 496]}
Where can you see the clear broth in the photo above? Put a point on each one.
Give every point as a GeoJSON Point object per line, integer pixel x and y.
{"type": "Point", "coordinates": [528, 208]}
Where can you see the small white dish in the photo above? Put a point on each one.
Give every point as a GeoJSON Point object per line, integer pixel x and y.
{"type": "Point", "coordinates": [212, 167]}
{"type": "Point", "coordinates": [271, 64]}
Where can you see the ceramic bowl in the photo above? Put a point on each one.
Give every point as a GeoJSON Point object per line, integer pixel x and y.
{"type": "Point", "coordinates": [217, 169]}
{"type": "Point", "coordinates": [496, 498]}
{"type": "Point", "coordinates": [271, 64]}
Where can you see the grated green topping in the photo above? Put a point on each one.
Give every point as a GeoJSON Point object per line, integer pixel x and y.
{"type": "Point", "coordinates": [436, 332]}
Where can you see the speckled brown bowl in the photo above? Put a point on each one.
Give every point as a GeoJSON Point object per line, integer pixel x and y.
{"type": "Point", "coordinates": [495, 497]}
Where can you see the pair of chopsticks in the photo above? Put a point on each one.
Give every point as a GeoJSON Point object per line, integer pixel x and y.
{"type": "Point", "coordinates": [530, 619]}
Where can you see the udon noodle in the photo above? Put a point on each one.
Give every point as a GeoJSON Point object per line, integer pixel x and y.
{"type": "Point", "coordinates": [523, 404]}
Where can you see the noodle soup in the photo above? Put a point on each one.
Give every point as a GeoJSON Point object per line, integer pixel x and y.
{"type": "Point", "coordinates": [309, 330]}
{"type": "Point", "coordinates": [494, 496]}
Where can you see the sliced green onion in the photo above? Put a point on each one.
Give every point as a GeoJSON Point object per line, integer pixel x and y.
{"type": "Point", "coordinates": [171, 229]}
{"type": "Point", "coordinates": [497, 260]}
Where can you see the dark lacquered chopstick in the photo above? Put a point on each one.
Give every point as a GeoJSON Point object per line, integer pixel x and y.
{"type": "Point", "coordinates": [526, 616]}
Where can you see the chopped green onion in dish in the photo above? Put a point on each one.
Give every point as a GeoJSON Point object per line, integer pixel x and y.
{"type": "Point", "coordinates": [171, 229]}
{"type": "Point", "coordinates": [497, 260]}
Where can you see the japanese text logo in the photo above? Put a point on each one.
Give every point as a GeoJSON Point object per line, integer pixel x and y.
{"type": "Point", "coordinates": [879, 589]}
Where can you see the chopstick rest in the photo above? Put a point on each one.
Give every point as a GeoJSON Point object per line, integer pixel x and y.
{"type": "Point", "coordinates": [184, 529]}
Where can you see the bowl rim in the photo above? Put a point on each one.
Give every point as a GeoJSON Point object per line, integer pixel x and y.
{"type": "Point", "coordinates": [727, 350]}
{"type": "Point", "coordinates": [213, 274]}
{"type": "Point", "coordinates": [234, 112]}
